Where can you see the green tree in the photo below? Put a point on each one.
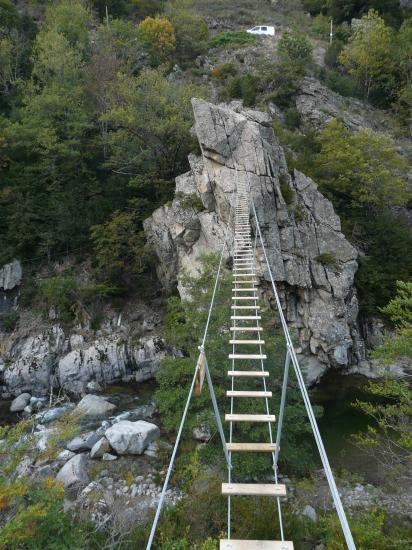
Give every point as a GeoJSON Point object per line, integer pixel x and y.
{"type": "Point", "coordinates": [71, 19]}
{"type": "Point", "coordinates": [149, 126]}
{"type": "Point", "coordinates": [121, 250]}
{"type": "Point", "coordinates": [360, 169]}
{"type": "Point", "coordinates": [190, 28]}
{"type": "Point", "coordinates": [368, 57]}
{"type": "Point", "coordinates": [158, 36]}
{"type": "Point", "coordinates": [385, 240]}
{"type": "Point", "coordinates": [399, 311]}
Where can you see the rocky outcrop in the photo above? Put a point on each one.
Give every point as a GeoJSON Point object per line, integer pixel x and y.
{"type": "Point", "coordinates": [49, 358]}
{"type": "Point", "coordinates": [313, 263]}
{"type": "Point", "coordinates": [317, 104]}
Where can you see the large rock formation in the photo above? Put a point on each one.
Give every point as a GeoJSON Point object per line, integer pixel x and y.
{"type": "Point", "coordinates": [313, 263]}
{"type": "Point", "coordinates": [37, 358]}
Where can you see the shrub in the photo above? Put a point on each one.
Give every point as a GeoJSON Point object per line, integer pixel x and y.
{"type": "Point", "coordinates": [232, 39]}
{"type": "Point", "coordinates": [292, 118]}
{"type": "Point", "coordinates": [287, 192]}
{"type": "Point", "coordinates": [295, 46]}
{"type": "Point", "coordinates": [328, 258]}
{"type": "Point", "coordinates": [340, 83]}
{"type": "Point", "coordinates": [158, 35]}
{"type": "Point", "coordinates": [192, 201]}
{"type": "Point", "coordinates": [9, 321]}
{"type": "Point", "coordinates": [243, 87]}
{"type": "Point", "coordinates": [191, 32]}
{"type": "Point", "coordinates": [223, 70]}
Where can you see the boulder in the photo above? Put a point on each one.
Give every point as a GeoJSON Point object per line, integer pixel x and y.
{"type": "Point", "coordinates": [74, 472]}
{"type": "Point", "coordinates": [107, 457]}
{"type": "Point", "coordinates": [10, 275]}
{"type": "Point", "coordinates": [82, 442]}
{"type": "Point", "coordinates": [131, 438]}
{"type": "Point", "coordinates": [309, 512]}
{"type": "Point", "coordinates": [201, 433]}
{"type": "Point", "coordinates": [54, 413]}
{"type": "Point", "coordinates": [20, 403]}
{"type": "Point", "coordinates": [95, 406]}
{"type": "Point", "coordinates": [64, 456]}
{"type": "Point", "coordinates": [143, 412]}
{"type": "Point", "coordinates": [100, 448]}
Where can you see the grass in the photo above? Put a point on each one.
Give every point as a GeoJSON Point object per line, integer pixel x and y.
{"type": "Point", "coordinates": [232, 39]}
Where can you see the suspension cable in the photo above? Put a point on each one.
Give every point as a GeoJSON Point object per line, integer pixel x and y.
{"type": "Point", "coordinates": [312, 419]}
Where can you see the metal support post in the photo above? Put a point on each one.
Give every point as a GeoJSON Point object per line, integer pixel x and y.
{"type": "Point", "coordinates": [282, 406]}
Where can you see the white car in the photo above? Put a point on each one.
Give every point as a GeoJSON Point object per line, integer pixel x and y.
{"type": "Point", "coordinates": [265, 30]}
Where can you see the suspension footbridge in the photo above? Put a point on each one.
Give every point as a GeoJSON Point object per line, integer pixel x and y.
{"type": "Point", "coordinates": [247, 359]}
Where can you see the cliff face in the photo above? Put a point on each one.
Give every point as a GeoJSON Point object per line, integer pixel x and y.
{"type": "Point", "coordinates": [313, 263]}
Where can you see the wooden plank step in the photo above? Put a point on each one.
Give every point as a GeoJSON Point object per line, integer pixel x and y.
{"type": "Point", "coordinates": [246, 342]}
{"type": "Point", "coordinates": [252, 447]}
{"type": "Point", "coordinates": [250, 417]}
{"type": "Point", "coordinates": [246, 329]}
{"type": "Point", "coordinates": [232, 544]}
{"type": "Point", "coordinates": [245, 307]}
{"type": "Point", "coordinates": [248, 373]}
{"type": "Point", "coordinates": [246, 317]}
{"type": "Point", "coordinates": [243, 289]}
{"type": "Point", "coordinates": [243, 274]}
{"type": "Point", "coordinates": [247, 356]}
{"type": "Point", "coordinates": [248, 393]}
{"type": "Point", "coordinates": [254, 489]}
{"type": "Point", "coordinates": [245, 298]}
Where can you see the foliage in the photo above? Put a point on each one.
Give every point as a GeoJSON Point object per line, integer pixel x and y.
{"type": "Point", "coordinates": [287, 192]}
{"type": "Point", "coordinates": [68, 296]}
{"type": "Point", "coordinates": [370, 529]}
{"type": "Point", "coordinates": [158, 35]}
{"type": "Point", "coordinates": [121, 250]}
{"type": "Point", "coordinates": [329, 259]}
{"type": "Point", "coordinates": [391, 441]}
{"type": "Point", "coordinates": [386, 242]}
{"type": "Point", "coordinates": [70, 19]}
{"type": "Point", "coordinates": [295, 46]}
{"type": "Point", "coordinates": [243, 87]}
{"type": "Point", "coordinates": [223, 70]}
{"type": "Point", "coordinates": [399, 310]}
{"type": "Point", "coordinates": [35, 517]}
{"type": "Point", "coordinates": [368, 58]}
{"type": "Point", "coordinates": [185, 321]}
{"type": "Point", "coordinates": [360, 168]}
{"type": "Point", "coordinates": [231, 39]}
{"type": "Point", "coordinates": [190, 28]}
{"type": "Point", "coordinates": [192, 201]}
{"type": "Point", "coordinates": [150, 122]}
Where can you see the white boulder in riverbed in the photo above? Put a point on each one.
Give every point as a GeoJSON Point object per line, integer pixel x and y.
{"type": "Point", "coordinates": [20, 403]}
{"type": "Point", "coordinates": [95, 406]}
{"type": "Point", "coordinates": [100, 448]}
{"type": "Point", "coordinates": [74, 472]}
{"type": "Point", "coordinates": [131, 438]}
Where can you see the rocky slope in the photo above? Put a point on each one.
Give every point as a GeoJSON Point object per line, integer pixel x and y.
{"type": "Point", "coordinates": [313, 263]}
{"type": "Point", "coordinates": [41, 357]}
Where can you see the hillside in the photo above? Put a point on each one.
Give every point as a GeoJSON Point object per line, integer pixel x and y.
{"type": "Point", "coordinates": [122, 142]}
